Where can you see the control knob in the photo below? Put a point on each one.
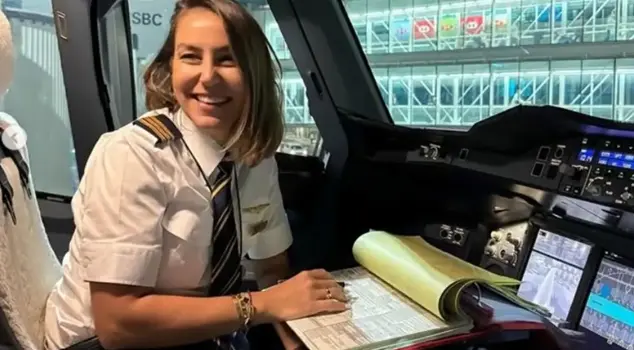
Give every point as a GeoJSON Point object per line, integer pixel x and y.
{"type": "Point", "coordinates": [595, 186]}
{"type": "Point", "coordinates": [574, 172]}
{"type": "Point", "coordinates": [627, 197]}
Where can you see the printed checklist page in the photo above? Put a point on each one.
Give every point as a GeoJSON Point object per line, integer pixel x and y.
{"type": "Point", "coordinates": [378, 316]}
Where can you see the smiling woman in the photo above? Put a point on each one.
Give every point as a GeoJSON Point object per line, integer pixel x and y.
{"type": "Point", "coordinates": [207, 81]}
{"type": "Point", "coordinates": [225, 83]}
{"type": "Point", "coordinates": [172, 203]}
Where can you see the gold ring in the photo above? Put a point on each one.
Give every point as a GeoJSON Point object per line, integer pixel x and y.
{"type": "Point", "coordinates": [328, 294]}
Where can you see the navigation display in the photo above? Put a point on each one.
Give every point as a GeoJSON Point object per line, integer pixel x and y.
{"type": "Point", "coordinates": [608, 317]}
{"type": "Point", "coordinates": [553, 272]}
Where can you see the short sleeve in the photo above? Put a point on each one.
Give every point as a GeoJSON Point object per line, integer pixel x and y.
{"type": "Point", "coordinates": [6, 121]}
{"type": "Point", "coordinates": [275, 237]}
{"type": "Point", "coordinates": [120, 203]}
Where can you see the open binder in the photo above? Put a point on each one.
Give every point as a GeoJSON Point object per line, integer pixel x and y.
{"type": "Point", "coordinates": [406, 292]}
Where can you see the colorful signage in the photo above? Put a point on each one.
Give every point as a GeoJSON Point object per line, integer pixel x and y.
{"type": "Point", "coordinates": [402, 29]}
{"type": "Point", "coordinates": [424, 29]}
{"type": "Point", "coordinates": [473, 25]}
{"type": "Point", "coordinates": [449, 26]}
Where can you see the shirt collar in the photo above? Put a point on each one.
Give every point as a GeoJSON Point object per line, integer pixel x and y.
{"type": "Point", "coordinates": [206, 151]}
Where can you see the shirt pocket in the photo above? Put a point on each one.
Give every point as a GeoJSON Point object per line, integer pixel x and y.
{"type": "Point", "coordinates": [187, 240]}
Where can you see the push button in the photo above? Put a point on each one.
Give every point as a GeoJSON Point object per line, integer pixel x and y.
{"type": "Point", "coordinates": [597, 171]}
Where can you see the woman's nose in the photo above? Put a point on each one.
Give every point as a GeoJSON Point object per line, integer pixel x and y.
{"type": "Point", "coordinates": [209, 74]}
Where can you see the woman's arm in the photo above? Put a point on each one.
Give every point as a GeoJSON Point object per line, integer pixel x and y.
{"type": "Point", "coordinates": [268, 272]}
{"type": "Point", "coordinates": [269, 258]}
{"type": "Point", "coordinates": [131, 317]}
{"type": "Point", "coordinates": [119, 213]}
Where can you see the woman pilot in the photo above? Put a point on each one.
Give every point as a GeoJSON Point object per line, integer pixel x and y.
{"type": "Point", "coordinates": [170, 204]}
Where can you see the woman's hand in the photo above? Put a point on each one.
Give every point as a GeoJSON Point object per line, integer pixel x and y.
{"type": "Point", "coordinates": [306, 294]}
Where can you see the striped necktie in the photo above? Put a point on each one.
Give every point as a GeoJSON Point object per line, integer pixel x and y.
{"type": "Point", "coordinates": [226, 268]}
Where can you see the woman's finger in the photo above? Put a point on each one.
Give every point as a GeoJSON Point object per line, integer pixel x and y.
{"type": "Point", "coordinates": [330, 305]}
{"type": "Point", "coordinates": [331, 293]}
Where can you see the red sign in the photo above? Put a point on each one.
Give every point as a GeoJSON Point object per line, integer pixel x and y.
{"type": "Point", "coordinates": [473, 25]}
{"type": "Point", "coordinates": [424, 29]}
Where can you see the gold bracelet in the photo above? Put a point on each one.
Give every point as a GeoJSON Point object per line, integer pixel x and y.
{"type": "Point", "coordinates": [245, 309]}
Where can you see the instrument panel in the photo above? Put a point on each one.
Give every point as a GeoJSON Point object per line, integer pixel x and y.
{"type": "Point", "coordinates": [598, 169]}
{"type": "Point", "coordinates": [528, 152]}
{"type": "Point", "coordinates": [602, 170]}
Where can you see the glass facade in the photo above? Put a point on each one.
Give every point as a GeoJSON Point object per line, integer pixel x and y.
{"type": "Point", "coordinates": [460, 95]}
{"type": "Point", "coordinates": [401, 39]}
{"type": "Point", "coordinates": [37, 97]}
{"type": "Point", "coordinates": [463, 93]}
{"type": "Point", "coordinates": [432, 25]}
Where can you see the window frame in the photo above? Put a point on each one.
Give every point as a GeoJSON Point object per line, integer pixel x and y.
{"type": "Point", "coordinates": [86, 95]}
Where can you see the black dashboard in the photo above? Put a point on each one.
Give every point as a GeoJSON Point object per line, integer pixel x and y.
{"type": "Point", "coordinates": [543, 159]}
{"type": "Point", "coordinates": [526, 193]}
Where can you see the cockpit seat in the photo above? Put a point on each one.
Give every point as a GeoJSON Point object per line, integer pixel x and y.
{"type": "Point", "coordinates": [28, 266]}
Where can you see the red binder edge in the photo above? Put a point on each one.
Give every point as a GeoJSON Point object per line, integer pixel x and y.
{"type": "Point", "coordinates": [475, 334]}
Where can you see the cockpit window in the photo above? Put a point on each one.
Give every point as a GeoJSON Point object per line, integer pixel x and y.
{"type": "Point", "coordinates": [445, 63]}
{"type": "Point", "coordinates": [36, 97]}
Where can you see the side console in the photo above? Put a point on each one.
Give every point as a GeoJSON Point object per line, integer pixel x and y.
{"type": "Point", "coordinates": [463, 242]}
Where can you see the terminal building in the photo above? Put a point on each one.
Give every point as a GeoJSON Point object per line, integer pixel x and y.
{"type": "Point", "coordinates": [453, 63]}
{"type": "Point", "coordinates": [437, 63]}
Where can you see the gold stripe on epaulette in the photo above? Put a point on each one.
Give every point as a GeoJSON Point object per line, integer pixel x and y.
{"type": "Point", "coordinates": [151, 129]}
{"type": "Point", "coordinates": [158, 132]}
{"type": "Point", "coordinates": [159, 125]}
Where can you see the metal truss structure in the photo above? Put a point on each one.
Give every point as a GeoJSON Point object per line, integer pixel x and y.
{"type": "Point", "coordinates": [462, 94]}
{"type": "Point", "coordinates": [459, 94]}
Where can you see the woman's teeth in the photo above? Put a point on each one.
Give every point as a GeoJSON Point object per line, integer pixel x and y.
{"type": "Point", "coordinates": [212, 100]}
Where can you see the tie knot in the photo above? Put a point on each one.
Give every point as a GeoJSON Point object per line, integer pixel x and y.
{"type": "Point", "coordinates": [225, 166]}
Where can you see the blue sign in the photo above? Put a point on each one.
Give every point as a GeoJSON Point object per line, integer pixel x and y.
{"type": "Point", "coordinates": [402, 29]}
{"type": "Point", "coordinates": [545, 12]}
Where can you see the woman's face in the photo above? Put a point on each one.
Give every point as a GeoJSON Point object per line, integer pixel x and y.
{"type": "Point", "coordinates": [206, 79]}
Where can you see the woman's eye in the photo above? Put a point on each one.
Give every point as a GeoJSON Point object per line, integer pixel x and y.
{"type": "Point", "coordinates": [189, 57]}
{"type": "Point", "coordinates": [227, 60]}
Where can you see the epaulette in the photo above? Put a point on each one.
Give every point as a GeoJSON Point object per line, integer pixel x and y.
{"type": "Point", "coordinates": [20, 163]}
{"type": "Point", "coordinates": [161, 127]}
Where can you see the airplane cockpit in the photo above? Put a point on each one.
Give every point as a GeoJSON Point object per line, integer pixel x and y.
{"type": "Point", "coordinates": [499, 132]}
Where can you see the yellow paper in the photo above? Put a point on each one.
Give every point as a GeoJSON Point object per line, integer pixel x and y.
{"type": "Point", "coordinates": [425, 274]}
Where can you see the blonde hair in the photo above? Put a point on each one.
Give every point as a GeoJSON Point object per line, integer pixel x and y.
{"type": "Point", "coordinates": [260, 129]}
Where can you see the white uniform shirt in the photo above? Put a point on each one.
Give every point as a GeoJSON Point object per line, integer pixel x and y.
{"type": "Point", "coordinates": [143, 217]}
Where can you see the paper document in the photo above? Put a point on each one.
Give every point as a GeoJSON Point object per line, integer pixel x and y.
{"type": "Point", "coordinates": [379, 318]}
{"type": "Point", "coordinates": [417, 269]}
